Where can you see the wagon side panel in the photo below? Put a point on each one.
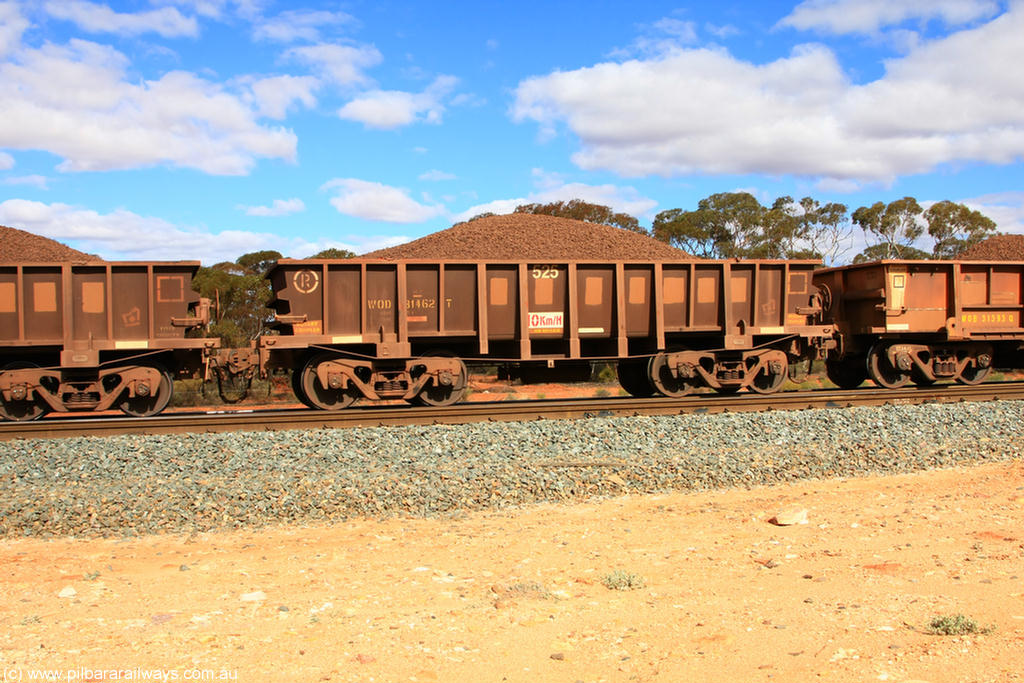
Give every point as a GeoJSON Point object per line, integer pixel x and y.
{"type": "Point", "coordinates": [991, 299]}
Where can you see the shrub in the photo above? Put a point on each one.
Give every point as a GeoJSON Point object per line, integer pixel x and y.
{"type": "Point", "coordinates": [621, 580]}
{"type": "Point", "coordinates": [956, 625]}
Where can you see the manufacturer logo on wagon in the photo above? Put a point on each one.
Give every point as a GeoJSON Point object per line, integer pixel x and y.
{"type": "Point", "coordinates": [306, 281]}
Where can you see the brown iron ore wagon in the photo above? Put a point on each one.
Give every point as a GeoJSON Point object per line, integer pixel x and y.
{"type": "Point", "coordinates": [88, 337]}
{"type": "Point", "coordinates": [923, 321]}
{"type": "Point", "coordinates": [406, 329]}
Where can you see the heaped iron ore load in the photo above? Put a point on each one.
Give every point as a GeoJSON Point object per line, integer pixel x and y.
{"type": "Point", "coordinates": [406, 329]}
{"type": "Point", "coordinates": [996, 248]}
{"type": "Point", "coordinates": [923, 321]}
{"type": "Point", "coordinates": [532, 237]}
{"type": "Point", "coordinates": [88, 337]}
{"type": "Point", "coordinates": [26, 247]}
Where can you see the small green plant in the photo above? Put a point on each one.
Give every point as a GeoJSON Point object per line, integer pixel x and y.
{"type": "Point", "coordinates": [527, 589]}
{"type": "Point", "coordinates": [602, 393]}
{"type": "Point", "coordinates": [956, 625]}
{"type": "Point", "coordinates": [621, 580]}
{"type": "Point", "coordinates": [605, 373]}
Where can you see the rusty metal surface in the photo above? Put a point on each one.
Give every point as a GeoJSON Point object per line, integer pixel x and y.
{"type": "Point", "coordinates": [88, 336]}
{"type": "Point", "coordinates": [528, 311]}
{"type": "Point", "coordinates": [98, 306]}
{"type": "Point", "coordinates": [271, 420]}
{"type": "Point", "coordinates": [948, 299]}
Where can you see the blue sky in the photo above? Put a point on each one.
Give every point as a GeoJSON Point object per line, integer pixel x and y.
{"type": "Point", "coordinates": [205, 129]}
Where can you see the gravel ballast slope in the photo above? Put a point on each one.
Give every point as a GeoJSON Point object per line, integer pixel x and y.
{"type": "Point", "coordinates": [144, 484]}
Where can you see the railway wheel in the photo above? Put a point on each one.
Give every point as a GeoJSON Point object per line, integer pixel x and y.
{"type": "Point", "coordinates": [973, 373]}
{"type": "Point", "coordinates": [662, 379]}
{"type": "Point", "coordinates": [297, 389]}
{"type": "Point", "coordinates": [848, 373]}
{"type": "Point", "coordinates": [633, 378]}
{"type": "Point", "coordinates": [316, 394]}
{"type": "Point", "coordinates": [24, 410]}
{"type": "Point", "coordinates": [882, 372]}
{"type": "Point", "coordinates": [154, 402]}
{"type": "Point", "coordinates": [771, 377]}
{"type": "Point", "coordinates": [448, 390]}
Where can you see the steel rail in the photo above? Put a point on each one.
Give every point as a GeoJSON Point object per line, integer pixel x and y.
{"type": "Point", "coordinates": [393, 415]}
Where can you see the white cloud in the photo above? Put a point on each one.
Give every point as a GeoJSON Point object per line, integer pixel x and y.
{"type": "Point", "coordinates": [387, 109]}
{"type": "Point", "coordinates": [219, 9]}
{"type": "Point", "coordinates": [837, 185]}
{"type": "Point", "coordinates": [279, 207]}
{"type": "Point", "coordinates": [152, 238]}
{"type": "Point", "coordinates": [39, 181]}
{"type": "Point", "coordinates": [292, 25]}
{"type": "Point", "coordinates": [705, 111]}
{"type": "Point", "coordinates": [79, 102]}
{"type": "Point", "coordinates": [158, 239]}
{"type": "Point", "coordinates": [379, 202]}
{"type": "Point", "coordinates": [551, 189]}
{"type": "Point", "coordinates": [722, 31]}
{"type": "Point", "coordinates": [683, 31]}
{"type": "Point", "coordinates": [275, 94]}
{"type": "Point", "coordinates": [12, 26]}
{"type": "Point", "coordinates": [1005, 208]}
{"type": "Point", "coordinates": [869, 16]}
{"type": "Point", "coordinates": [96, 18]}
{"type": "Point", "coordinates": [6, 161]}
{"type": "Point", "coordinates": [663, 35]}
{"type": "Point", "coordinates": [341, 64]}
{"type": "Point", "coordinates": [436, 175]}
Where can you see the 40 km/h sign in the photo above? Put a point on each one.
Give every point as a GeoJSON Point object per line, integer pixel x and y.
{"type": "Point", "coordinates": [546, 322]}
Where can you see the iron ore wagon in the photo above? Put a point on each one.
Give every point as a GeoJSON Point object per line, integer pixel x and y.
{"type": "Point", "coordinates": [406, 329]}
{"type": "Point", "coordinates": [88, 337]}
{"type": "Point", "coordinates": [923, 321]}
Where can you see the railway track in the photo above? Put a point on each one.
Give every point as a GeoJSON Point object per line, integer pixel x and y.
{"type": "Point", "coordinates": [372, 416]}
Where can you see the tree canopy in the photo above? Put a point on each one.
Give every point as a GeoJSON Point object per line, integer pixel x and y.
{"type": "Point", "coordinates": [894, 226]}
{"type": "Point", "coordinates": [334, 252]}
{"type": "Point", "coordinates": [241, 292]}
{"type": "Point", "coordinates": [956, 228]}
{"type": "Point", "coordinates": [737, 225]}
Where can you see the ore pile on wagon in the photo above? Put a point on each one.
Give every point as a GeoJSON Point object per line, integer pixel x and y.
{"type": "Point", "coordinates": [26, 247]}
{"type": "Point", "coordinates": [520, 236]}
{"type": "Point", "coordinates": [997, 248]}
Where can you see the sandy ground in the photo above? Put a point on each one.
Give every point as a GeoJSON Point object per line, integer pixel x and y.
{"type": "Point", "coordinates": [520, 595]}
